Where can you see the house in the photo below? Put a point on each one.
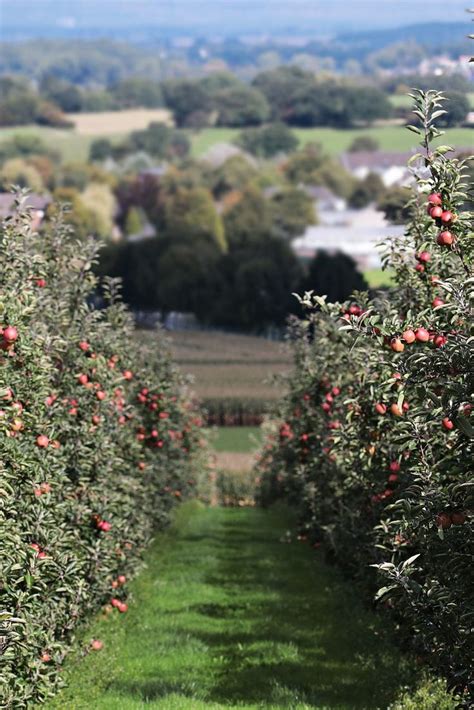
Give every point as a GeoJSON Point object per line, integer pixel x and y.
{"type": "Point", "coordinates": [356, 234]}
{"type": "Point", "coordinates": [34, 203]}
{"type": "Point", "coordinates": [391, 167]}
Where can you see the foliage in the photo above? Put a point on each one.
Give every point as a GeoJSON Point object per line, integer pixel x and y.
{"type": "Point", "coordinates": [268, 141]}
{"type": "Point", "coordinates": [373, 442]}
{"type": "Point", "coordinates": [292, 210]}
{"type": "Point", "coordinates": [457, 108]}
{"type": "Point", "coordinates": [333, 275]}
{"type": "Point", "coordinates": [96, 449]}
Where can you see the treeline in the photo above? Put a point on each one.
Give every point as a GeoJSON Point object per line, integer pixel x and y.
{"type": "Point", "coordinates": [103, 62]}
{"type": "Point", "coordinates": [221, 248]}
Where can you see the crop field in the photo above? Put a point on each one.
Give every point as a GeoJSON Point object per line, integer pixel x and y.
{"type": "Point", "coordinates": [230, 366]}
{"type": "Point", "coordinates": [118, 122]}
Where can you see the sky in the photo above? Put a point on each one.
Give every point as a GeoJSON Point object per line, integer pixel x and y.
{"type": "Point", "coordinates": [231, 16]}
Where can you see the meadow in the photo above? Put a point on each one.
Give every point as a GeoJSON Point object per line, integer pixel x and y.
{"type": "Point", "coordinates": [74, 145]}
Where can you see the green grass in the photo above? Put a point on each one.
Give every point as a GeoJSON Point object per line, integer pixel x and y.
{"type": "Point", "coordinates": [233, 612]}
{"type": "Point", "coordinates": [378, 277]}
{"type": "Point", "coordinates": [75, 147]}
{"type": "Point", "coordinates": [243, 439]}
{"type": "Point", "coordinates": [336, 141]}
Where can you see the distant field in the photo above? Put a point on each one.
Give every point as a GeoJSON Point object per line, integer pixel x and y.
{"type": "Point", "coordinates": [242, 439]}
{"type": "Point", "coordinates": [336, 141]}
{"type": "Point", "coordinates": [377, 277]}
{"type": "Point", "coordinates": [118, 122]}
{"type": "Point", "coordinates": [230, 366]}
{"type": "Point", "coordinates": [74, 146]}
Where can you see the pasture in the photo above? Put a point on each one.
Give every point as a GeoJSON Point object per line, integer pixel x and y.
{"type": "Point", "coordinates": [112, 123]}
{"type": "Point", "coordinates": [73, 145]}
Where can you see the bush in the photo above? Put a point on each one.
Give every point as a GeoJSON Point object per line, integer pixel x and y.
{"type": "Point", "coordinates": [97, 448]}
{"type": "Point", "coordinates": [373, 441]}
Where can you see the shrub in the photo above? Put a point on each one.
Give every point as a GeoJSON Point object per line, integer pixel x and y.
{"type": "Point", "coordinates": [373, 441]}
{"type": "Point", "coordinates": [97, 448]}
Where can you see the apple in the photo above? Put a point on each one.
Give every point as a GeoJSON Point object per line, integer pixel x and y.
{"type": "Point", "coordinates": [121, 579]}
{"type": "Point", "coordinates": [84, 345]}
{"type": "Point", "coordinates": [422, 335]}
{"type": "Point", "coordinates": [443, 520]}
{"type": "Point", "coordinates": [409, 336]}
{"type": "Point", "coordinates": [42, 441]}
{"type": "Point", "coordinates": [445, 238]}
{"type": "Point", "coordinates": [397, 345]}
{"type": "Point", "coordinates": [97, 645]}
{"type": "Point", "coordinates": [41, 283]}
{"type": "Point", "coordinates": [435, 199]}
{"type": "Point", "coordinates": [10, 334]}
{"type": "Point", "coordinates": [122, 607]}
{"type": "Point", "coordinates": [394, 466]}
{"type": "Point", "coordinates": [336, 391]}
{"type": "Point", "coordinates": [100, 394]}
{"type": "Point", "coordinates": [458, 518]}
{"type": "Point", "coordinates": [82, 379]}
{"type": "Point", "coordinates": [437, 302]}
{"type": "Point", "coordinates": [447, 217]}
{"type": "Point", "coordinates": [381, 408]}
{"type": "Point", "coordinates": [436, 212]}
{"type": "Point", "coordinates": [115, 602]}
{"type": "Point", "coordinates": [420, 268]}
{"type": "Point", "coordinates": [448, 424]}
{"type": "Point", "coordinates": [127, 375]}
{"type": "Point", "coordinates": [395, 410]}
{"type": "Point", "coordinates": [424, 256]}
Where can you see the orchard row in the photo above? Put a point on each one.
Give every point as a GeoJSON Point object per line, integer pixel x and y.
{"type": "Point", "coordinates": [99, 442]}
{"type": "Point", "coordinates": [373, 442]}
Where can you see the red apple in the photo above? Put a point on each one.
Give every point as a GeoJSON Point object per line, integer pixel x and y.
{"type": "Point", "coordinates": [10, 334]}
{"type": "Point", "coordinates": [42, 441]}
{"type": "Point", "coordinates": [380, 408]}
{"type": "Point", "coordinates": [445, 238]}
{"type": "Point", "coordinates": [409, 336]}
{"type": "Point", "coordinates": [448, 424]}
{"type": "Point", "coordinates": [397, 345]}
{"type": "Point", "coordinates": [422, 335]}
{"type": "Point", "coordinates": [443, 520]}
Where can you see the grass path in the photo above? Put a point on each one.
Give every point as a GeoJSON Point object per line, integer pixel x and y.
{"type": "Point", "coordinates": [229, 614]}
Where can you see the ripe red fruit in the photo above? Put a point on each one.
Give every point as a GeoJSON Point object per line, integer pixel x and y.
{"type": "Point", "coordinates": [445, 238]}
{"type": "Point", "coordinates": [420, 268]}
{"type": "Point", "coordinates": [41, 283]}
{"type": "Point", "coordinates": [96, 645]}
{"type": "Point", "coordinates": [424, 256]}
{"type": "Point", "coordinates": [394, 466]}
{"type": "Point", "coordinates": [397, 345]}
{"type": "Point", "coordinates": [448, 424]}
{"type": "Point", "coordinates": [128, 375]}
{"type": "Point", "coordinates": [380, 408]}
{"type": "Point", "coordinates": [121, 579]}
{"type": "Point", "coordinates": [435, 198]}
{"type": "Point", "coordinates": [422, 335]}
{"type": "Point", "coordinates": [122, 607]}
{"type": "Point", "coordinates": [447, 217]}
{"type": "Point", "coordinates": [104, 525]}
{"type": "Point", "coordinates": [458, 518]}
{"type": "Point", "coordinates": [115, 602]}
{"type": "Point", "coordinates": [82, 379]}
{"type": "Point", "coordinates": [393, 478]}
{"type": "Point", "coordinates": [395, 410]}
{"type": "Point", "coordinates": [95, 419]}
{"type": "Point", "coordinates": [409, 336]}
{"type": "Point", "coordinates": [439, 341]}
{"type": "Point", "coordinates": [437, 302]}
{"type": "Point", "coordinates": [443, 520]}
{"type": "Point", "coordinates": [100, 394]}
{"type": "Point", "coordinates": [45, 657]}
{"type": "Point", "coordinates": [42, 441]}
{"type": "Point", "coordinates": [10, 334]}
{"type": "Point", "coordinates": [141, 465]}
{"type": "Point", "coordinates": [436, 212]}
{"type": "Point", "coordinates": [336, 391]}
{"type": "Point", "coordinates": [84, 345]}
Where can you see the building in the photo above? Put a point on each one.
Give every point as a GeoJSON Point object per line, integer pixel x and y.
{"type": "Point", "coordinates": [391, 167]}
{"type": "Point", "coordinates": [34, 203]}
{"type": "Point", "coordinates": [356, 233]}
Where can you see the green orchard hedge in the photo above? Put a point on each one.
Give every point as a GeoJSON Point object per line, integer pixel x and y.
{"type": "Point", "coordinates": [99, 443]}
{"type": "Point", "coordinates": [374, 440]}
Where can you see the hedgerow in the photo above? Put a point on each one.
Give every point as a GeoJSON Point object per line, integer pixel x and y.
{"type": "Point", "coordinates": [373, 441]}
{"type": "Point", "coordinates": [99, 443]}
